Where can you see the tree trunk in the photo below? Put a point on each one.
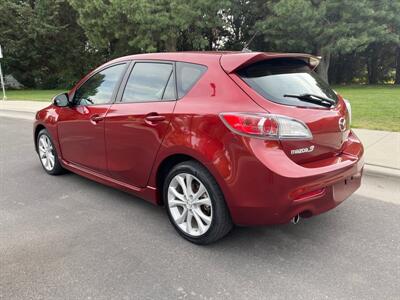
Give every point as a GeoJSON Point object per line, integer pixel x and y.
{"type": "Point", "coordinates": [372, 65]}
{"type": "Point", "coordinates": [210, 39]}
{"type": "Point", "coordinates": [112, 46]}
{"type": "Point", "coordinates": [170, 44]}
{"type": "Point", "coordinates": [335, 73]}
{"type": "Point", "coordinates": [323, 66]}
{"type": "Point", "coordinates": [397, 80]}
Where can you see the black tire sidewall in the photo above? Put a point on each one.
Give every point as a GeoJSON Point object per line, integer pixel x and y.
{"type": "Point", "coordinates": [57, 168]}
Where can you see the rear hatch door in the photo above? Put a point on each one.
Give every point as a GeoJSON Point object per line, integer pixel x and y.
{"type": "Point", "coordinates": [274, 81]}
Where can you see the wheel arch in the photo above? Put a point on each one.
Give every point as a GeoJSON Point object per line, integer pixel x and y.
{"type": "Point", "coordinates": [164, 167]}
{"type": "Point", "coordinates": [38, 128]}
{"type": "Point", "coordinates": [167, 164]}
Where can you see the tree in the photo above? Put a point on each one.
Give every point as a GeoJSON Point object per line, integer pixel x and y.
{"type": "Point", "coordinates": [204, 29]}
{"type": "Point", "coordinates": [44, 46]}
{"type": "Point", "coordinates": [390, 16]}
{"type": "Point", "coordinates": [381, 50]}
{"type": "Point", "coordinates": [348, 67]}
{"type": "Point", "coordinates": [322, 27]}
{"type": "Point", "coordinates": [131, 26]}
{"type": "Point", "coordinates": [15, 39]}
{"type": "Point", "coordinates": [397, 80]}
{"type": "Point", "coordinates": [241, 17]}
{"type": "Point", "coordinates": [52, 43]}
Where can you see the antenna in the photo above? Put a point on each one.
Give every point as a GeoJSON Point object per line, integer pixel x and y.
{"type": "Point", "coordinates": [245, 49]}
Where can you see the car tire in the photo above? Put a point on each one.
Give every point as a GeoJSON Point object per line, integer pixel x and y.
{"type": "Point", "coordinates": [207, 216]}
{"type": "Point", "coordinates": [48, 154]}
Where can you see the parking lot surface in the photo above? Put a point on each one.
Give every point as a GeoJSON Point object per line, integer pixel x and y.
{"type": "Point", "coordinates": [67, 237]}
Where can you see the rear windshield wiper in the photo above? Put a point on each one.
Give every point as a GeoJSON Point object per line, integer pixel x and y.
{"type": "Point", "coordinates": [315, 99]}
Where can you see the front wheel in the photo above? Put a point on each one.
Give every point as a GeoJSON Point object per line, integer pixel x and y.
{"type": "Point", "coordinates": [47, 154]}
{"type": "Point", "coordinates": [195, 204]}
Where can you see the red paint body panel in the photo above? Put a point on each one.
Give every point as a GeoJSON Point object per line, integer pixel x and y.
{"type": "Point", "coordinates": [82, 139]}
{"type": "Point", "coordinates": [133, 141]}
{"type": "Point", "coordinates": [257, 177]}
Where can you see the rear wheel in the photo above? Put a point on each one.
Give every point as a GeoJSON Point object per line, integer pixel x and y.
{"type": "Point", "coordinates": [195, 204]}
{"type": "Point", "coordinates": [47, 154]}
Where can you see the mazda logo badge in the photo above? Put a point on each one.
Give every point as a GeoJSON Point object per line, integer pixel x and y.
{"type": "Point", "coordinates": [342, 124]}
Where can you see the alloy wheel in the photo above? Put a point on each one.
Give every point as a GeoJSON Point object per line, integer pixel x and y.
{"type": "Point", "coordinates": [46, 152]}
{"type": "Point", "coordinates": [190, 204]}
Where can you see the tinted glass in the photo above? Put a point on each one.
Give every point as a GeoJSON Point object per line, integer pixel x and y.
{"type": "Point", "coordinates": [100, 87]}
{"type": "Point", "coordinates": [147, 82]}
{"type": "Point", "coordinates": [188, 74]}
{"type": "Point", "coordinates": [169, 93]}
{"type": "Point", "coordinates": [278, 77]}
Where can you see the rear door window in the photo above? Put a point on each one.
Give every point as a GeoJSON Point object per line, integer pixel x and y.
{"type": "Point", "coordinates": [149, 82]}
{"type": "Point", "coordinates": [275, 78]}
{"type": "Point", "coordinates": [170, 89]}
{"type": "Point", "coordinates": [188, 74]}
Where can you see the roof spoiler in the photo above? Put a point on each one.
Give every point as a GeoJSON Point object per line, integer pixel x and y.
{"type": "Point", "coordinates": [234, 61]}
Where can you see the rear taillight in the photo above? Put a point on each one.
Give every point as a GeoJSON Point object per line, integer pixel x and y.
{"type": "Point", "coordinates": [267, 126]}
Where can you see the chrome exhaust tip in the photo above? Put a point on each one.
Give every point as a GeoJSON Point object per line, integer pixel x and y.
{"type": "Point", "coordinates": [296, 219]}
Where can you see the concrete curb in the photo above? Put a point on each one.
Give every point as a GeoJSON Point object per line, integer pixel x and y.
{"type": "Point", "coordinates": [17, 114]}
{"type": "Point", "coordinates": [380, 171]}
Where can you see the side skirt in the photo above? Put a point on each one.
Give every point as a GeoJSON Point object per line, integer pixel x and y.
{"type": "Point", "coordinates": [148, 193]}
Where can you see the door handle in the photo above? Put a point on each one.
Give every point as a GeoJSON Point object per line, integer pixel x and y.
{"type": "Point", "coordinates": [96, 118]}
{"type": "Point", "coordinates": [154, 117]}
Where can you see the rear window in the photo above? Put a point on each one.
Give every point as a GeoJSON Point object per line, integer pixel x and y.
{"type": "Point", "coordinates": [188, 74]}
{"type": "Point", "coordinates": [278, 77]}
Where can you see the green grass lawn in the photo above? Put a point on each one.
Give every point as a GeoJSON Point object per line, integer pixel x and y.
{"type": "Point", "coordinates": [33, 95]}
{"type": "Point", "coordinates": [374, 107]}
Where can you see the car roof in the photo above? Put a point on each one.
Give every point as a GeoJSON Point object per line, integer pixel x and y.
{"type": "Point", "coordinates": [229, 60]}
{"type": "Point", "coordinates": [185, 56]}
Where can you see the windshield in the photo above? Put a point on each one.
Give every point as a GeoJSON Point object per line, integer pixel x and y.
{"type": "Point", "coordinates": [278, 77]}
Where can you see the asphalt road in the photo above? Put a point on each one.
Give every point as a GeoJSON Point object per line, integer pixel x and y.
{"type": "Point", "coordinates": [67, 237]}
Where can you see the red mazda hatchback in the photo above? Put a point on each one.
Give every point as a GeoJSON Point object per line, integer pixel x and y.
{"type": "Point", "coordinates": [218, 138]}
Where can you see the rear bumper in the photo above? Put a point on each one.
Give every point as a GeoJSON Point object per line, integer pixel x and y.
{"type": "Point", "coordinates": [287, 189]}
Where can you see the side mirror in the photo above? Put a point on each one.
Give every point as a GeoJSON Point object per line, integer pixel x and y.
{"type": "Point", "coordinates": [61, 100]}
